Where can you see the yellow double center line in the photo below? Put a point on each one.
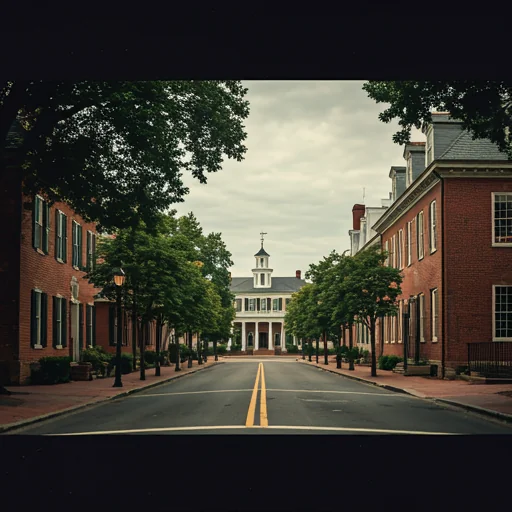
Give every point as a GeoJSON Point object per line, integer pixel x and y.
{"type": "Point", "coordinates": [254, 398]}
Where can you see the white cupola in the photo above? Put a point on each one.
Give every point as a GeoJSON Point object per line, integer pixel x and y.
{"type": "Point", "coordinates": [262, 273]}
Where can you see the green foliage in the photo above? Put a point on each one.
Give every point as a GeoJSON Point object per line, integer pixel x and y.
{"type": "Point", "coordinates": [222, 348]}
{"type": "Point", "coordinates": [150, 357]}
{"type": "Point", "coordinates": [124, 144]}
{"type": "Point", "coordinates": [389, 362]}
{"type": "Point", "coordinates": [126, 363]}
{"type": "Point", "coordinates": [52, 370]}
{"type": "Point", "coordinates": [98, 358]}
{"type": "Point", "coordinates": [483, 106]}
{"type": "Point", "coordinates": [236, 347]}
{"type": "Point", "coordinates": [292, 349]}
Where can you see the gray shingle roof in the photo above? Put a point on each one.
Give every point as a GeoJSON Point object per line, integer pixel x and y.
{"type": "Point", "coordinates": [262, 252]}
{"type": "Point", "coordinates": [279, 284]}
{"type": "Point", "coordinates": [465, 148]}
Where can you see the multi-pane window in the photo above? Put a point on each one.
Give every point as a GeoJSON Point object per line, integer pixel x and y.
{"type": "Point", "coordinates": [421, 299]}
{"type": "Point", "coordinates": [393, 244]}
{"type": "Point", "coordinates": [90, 325]}
{"type": "Point", "coordinates": [419, 234]}
{"type": "Point", "coordinates": [40, 224]}
{"type": "Point", "coordinates": [434, 313]}
{"type": "Point", "coordinates": [263, 304]}
{"type": "Point", "coordinates": [433, 226]}
{"type": "Point", "coordinates": [502, 313]}
{"type": "Point", "coordinates": [409, 243]}
{"type": "Point", "coordinates": [77, 245]}
{"type": "Point", "coordinates": [275, 305]}
{"type": "Point", "coordinates": [393, 329]}
{"type": "Point", "coordinates": [59, 322]}
{"type": "Point", "coordinates": [91, 250]}
{"type": "Point", "coordinates": [400, 320]}
{"type": "Point", "coordinates": [252, 304]}
{"type": "Point", "coordinates": [38, 318]}
{"type": "Point", "coordinates": [502, 208]}
{"type": "Point", "coordinates": [386, 249]}
{"type": "Point", "coordinates": [238, 305]}
{"type": "Point", "coordinates": [261, 262]}
{"type": "Point", "coordinates": [400, 248]}
{"type": "Point", "coordinates": [60, 236]}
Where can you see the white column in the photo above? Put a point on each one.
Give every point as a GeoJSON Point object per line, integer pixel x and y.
{"type": "Point", "coordinates": [270, 340]}
{"type": "Point", "coordinates": [229, 344]}
{"type": "Point", "coordinates": [243, 335]}
{"type": "Point", "coordinates": [256, 340]}
{"type": "Point", "coordinates": [295, 340]}
{"type": "Point", "coordinates": [283, 344]}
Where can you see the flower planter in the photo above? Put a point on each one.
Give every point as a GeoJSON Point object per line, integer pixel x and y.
{"type": "Point", "coordinates": [81, 371]}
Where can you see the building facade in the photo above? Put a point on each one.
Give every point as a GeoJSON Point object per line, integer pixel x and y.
{"type": "Point", "coordinates": [260, 302]}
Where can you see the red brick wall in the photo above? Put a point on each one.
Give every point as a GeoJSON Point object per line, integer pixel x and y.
{"type": "Point", "coordinates": [423, 275]}
{"type": "Point", "coordinates": [52, 277]}
{"type": "Point", "coordinates": [10, 211]}
{"type": "Point", "coordinates": [473, 266]}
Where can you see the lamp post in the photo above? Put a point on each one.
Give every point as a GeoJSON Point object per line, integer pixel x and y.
{"type": "Point", "coordinates": [406, 332]}
{"type": "Point", "coordinates": [119, 278]}
{"type": "Point", "coordinates": [414, 300]}
{"type": "Point", "coordinates": [177, 341]}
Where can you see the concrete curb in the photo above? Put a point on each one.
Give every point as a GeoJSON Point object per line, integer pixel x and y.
{"type": "Point", "coordinates": [62, 412]}
{"type": "Point", "coordinates": [411, 392]}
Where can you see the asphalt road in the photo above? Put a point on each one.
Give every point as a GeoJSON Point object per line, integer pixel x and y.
{"type": "Point", "coordinates": [271, 396]}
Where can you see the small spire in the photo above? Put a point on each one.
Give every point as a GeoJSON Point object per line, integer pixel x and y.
{"type": "Point", "coordinates": [262, 234]}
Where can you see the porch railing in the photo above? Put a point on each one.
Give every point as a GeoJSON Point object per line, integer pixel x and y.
{"type": "Point", "coordinates": [492, 359]}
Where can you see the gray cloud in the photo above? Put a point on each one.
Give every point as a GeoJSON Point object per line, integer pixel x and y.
{"type": "Point", "coordinates": [312, 148]}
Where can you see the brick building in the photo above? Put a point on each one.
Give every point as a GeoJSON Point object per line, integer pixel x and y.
{"type": "Point", "coordinates": [450, 232]}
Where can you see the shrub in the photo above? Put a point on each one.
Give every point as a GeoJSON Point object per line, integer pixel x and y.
{"type": "Point", "coordinates": [388, 362]}
{"type": "Point", "coordinates": [151, 358]}
{"type": "Point", "coordinates": [236, 347]}
{"type": "Point", "coordinates": [292, 349]}
{"type": "Point", "coordinates": [126, 363]}
{"type": "Point", "coordinates": [222, 348]}
{"type": "Point", "coordinates": [98, 358]}
{"type": "Point", "coordinates": [52, 370]}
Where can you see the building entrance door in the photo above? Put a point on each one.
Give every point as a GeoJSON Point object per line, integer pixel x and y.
{"type": "Point", "coordinates": [75, 329]}
{"type": "Point", "coordinates": [263, 340]}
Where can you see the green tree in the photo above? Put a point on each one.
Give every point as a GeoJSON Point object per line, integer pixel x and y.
{"type": "Point", "coordinates": [371, 290]}
{"type": "Point", "coordinates": [483, 106]}
{"type": "Point", "coordinates": [116, 151]}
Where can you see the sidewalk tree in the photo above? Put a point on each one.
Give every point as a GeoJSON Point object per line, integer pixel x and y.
{"type": "Point", "coordinates": [117, 150]}
{"type": "Point", "coordinates": [371, 290]}
{"type": "Point", "coordinates": [483, 106]}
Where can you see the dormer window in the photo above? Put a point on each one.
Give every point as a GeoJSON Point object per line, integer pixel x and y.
{"type": "Point", "coordinates": [429, 154]}
{"type": "Point", "coordinates": [409, 169]}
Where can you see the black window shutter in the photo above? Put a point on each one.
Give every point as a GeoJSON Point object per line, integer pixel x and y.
{"type": "Point", "coordinates": [33, 324]}
{"type": "Point", "coordinates": [111, 326]}
{"type": "Point", "coordinates": [80, 251]}
{"type": "Point", "coordinates": [54, 323]}
{"type": "Point", "coordinates": [46, 226]}
{"type": "Point", "coordinates": [44, 319]}
{"type": "Point", "coordinates": [280, 304]}
{"type": "Point", "coordinates": [93, 309]}
{"type": "Point", "coordinates": [93, 261]}
{"type": "Point", "coordinates": [88, 319]}
{"type": "Point", "coordinates": [88, 260]}
{"type": "Point", "coordinates": [269, 304]}
{"type": "Point", "coordinates": [56, 232]}
{"type": "Point", "coordinates": [34, 209]}
{"type": "Point", "coordinates": [64, 239]}
{"type": "Point", "coordinates": [246, 305]}
{"type": "Point", "coordinates": [73, 237]}
{"type": "Point", "coordinates": [81, 325]}
{"type": "Point", "coordinates": [64, 323]}
{"type": "Point", "coordinates": [257, 304]}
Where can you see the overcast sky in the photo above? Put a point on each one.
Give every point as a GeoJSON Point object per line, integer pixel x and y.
{"type": "Point", "coordinates": [312, 148]}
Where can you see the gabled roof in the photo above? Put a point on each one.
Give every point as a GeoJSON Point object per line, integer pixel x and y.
{"type": "Point", "coordinates": [465, 148]}
{"type": "Point", "coordinates": [279, 284]}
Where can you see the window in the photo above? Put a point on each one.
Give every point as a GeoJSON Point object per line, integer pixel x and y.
{"type": "Point", "coordinates": [41, 224]}
{"type": "Point", "coordinates": [400, 248]}
{"type": "Point", "coordinates": [252, 304]}
{"type": "Point", "coordinates": [393, 329]}
{"type": "Point", "coordinates": [502, 218]}
{"type": "Point", "coordinates": [419, 235]}
{"type": "Point", "coordinates": [422, 316]}
{"type": "Point", "coordinates": [409, 243]}
{"type": "Point", "coordinates": [263, 304]}
{"type": "Point", "coordinates": [400, 320]}
{"type": "Point", "coordinates": [429, 155]}
{"type": "Point", "coordinates": [77, 245]}
{"type": "Point", "coordinates": [61, 237]}
{"type": "Point", "coordinates": [386, 248]}
{"type": "Point", "coordinates": [91, 250]}
{"type": "Point", "coordinates": [59, 322]}
{"type": "Point", "coordinates": [262, 279]}
{"type": "Point", "coordinates": [502, 313]}
{"type": "Point", "coordinates": [238, 305]}
{"type": "Point", "coordinates": [275, 304]}
{"type": "Point", "coordinates": [433, 227]}
{"type": "Point", "coordinates": [286, 302]}
{"type": "Point", "coordinates": [261, 262]}
{"type": "Point", "coordinates": [38, 319]}
{"type": "Point", "coordinates": [434, 313]}
{"type": "Point", "coordinates": [90, 326]}
{"type": "Point", "coordinates": [250, 339]}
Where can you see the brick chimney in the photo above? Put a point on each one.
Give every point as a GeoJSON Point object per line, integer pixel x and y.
{"type": "Point", "coordinates": [357, 212]}
{"type": "Point", "coordinates": [297, 274]}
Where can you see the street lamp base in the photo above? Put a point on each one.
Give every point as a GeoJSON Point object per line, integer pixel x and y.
{"type": "Point", "coordinates": [117, 385]}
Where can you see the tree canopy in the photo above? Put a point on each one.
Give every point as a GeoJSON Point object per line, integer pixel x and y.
{"type": "Point", "coordinates": [116, 151]}
{"type": "Point", "coordinates": [483, 107]}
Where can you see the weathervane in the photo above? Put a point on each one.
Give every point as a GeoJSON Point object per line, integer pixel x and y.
{"type": "Point", "coordinates": [262, 237]}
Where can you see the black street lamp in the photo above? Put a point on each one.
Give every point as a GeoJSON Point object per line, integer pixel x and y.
{"type": "Point", "coordinates": [405, 334]}
{"type": "Point", "coordinates": [302, 346]}
{"type": "Point", "coordinates": [415, 300]}
{"type": "Point", "coordinates": [119, 278]}
{"type": "Point", "coordinates": [177, 368]}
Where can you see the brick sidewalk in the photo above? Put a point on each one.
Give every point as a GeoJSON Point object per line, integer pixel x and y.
{"type": "Point", "coordinates": [28, 404]}
{"type": "Point", "coordinates": [484, 398]}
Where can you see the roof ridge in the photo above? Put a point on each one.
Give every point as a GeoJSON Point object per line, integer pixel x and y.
{"type": "Point", "coordinates": [453, 143]}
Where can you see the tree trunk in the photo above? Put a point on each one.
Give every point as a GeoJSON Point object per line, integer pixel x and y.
{"type": "Point", "coordinates": [134, 335]}
{"type": "Point", "coordinates": [317, 349]}
{"type": "Point", "coordinates": [177, 368]}
{"type": "Point", "coordinates": [189, 335]}
{"type": "Point", "coordinates": [350, 346]}
{"type": "Point", "coordinates": [374, 351]}
{"type": "Point", "coordinates": [381, 347]}
{"type": "Point", "coordinates": [326, 352]}
{"type": "Point", "coordinates": [158, 344]}
{"type": "Point", "coordinates": [199, 351]}
{"type": "Point", "coordinates": [338, 348]}
{"type": "Point", "coordinates": [310, 346]}
{"type": "Point", "coordinates": [215, 350]}
{"type": "Point", "coordinates": [142, 338]}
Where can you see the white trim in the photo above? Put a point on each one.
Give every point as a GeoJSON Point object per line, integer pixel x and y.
{"type": "Point", "coordinates": [494, 338]}
{"type": "Point", "coordinates": [59, 347]}
{"type": "Point", "coordinates": [421, 299]}
{"type": "Point", "coordinates": [434, 306]}
{"type": "Point", "coordinates": [400, 249]}
{"type": "Point", "coordinates": [38, 347]}
{"type": "Point", "coordinates": [409, 244]}
{"type": "Point", "coordinates": [432, 214]}
{"type": "Point", "coordinates": [493, 234]}
{"type": "Point", "coordinates": [420, 235]}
